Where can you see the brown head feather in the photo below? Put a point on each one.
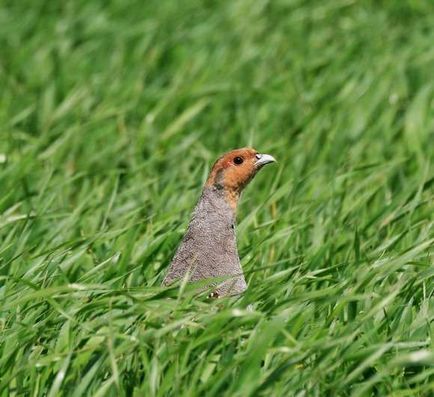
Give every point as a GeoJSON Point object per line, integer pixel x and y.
{"type": "Point", "coordinates": [232, 172]}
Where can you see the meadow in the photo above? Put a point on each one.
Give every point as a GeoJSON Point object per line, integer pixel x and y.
{"type": "Point", "coordinates": [112, 113]}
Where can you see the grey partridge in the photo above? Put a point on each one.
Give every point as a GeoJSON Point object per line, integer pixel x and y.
{"type": "Point", "coordinates": [209, 249]}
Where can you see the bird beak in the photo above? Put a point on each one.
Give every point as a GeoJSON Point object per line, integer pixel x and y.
{"type": "Point", "coordinates": [263, 159]}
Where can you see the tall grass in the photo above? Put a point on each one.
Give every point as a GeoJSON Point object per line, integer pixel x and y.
{"type": "Point", "coordinates": [111, 113]}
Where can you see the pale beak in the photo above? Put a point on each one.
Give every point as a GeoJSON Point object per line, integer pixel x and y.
{"type": "Point", "coordinates": [263, 159]}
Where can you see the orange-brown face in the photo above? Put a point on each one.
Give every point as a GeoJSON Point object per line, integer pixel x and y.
{"type": "Point", "coordinates": [234, 170]}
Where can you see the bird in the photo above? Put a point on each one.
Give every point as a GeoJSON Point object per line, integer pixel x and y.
{"type": "Point", "coordinates": [208, 249]}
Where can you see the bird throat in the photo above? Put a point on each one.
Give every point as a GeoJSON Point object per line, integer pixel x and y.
{"type": "Point", "coordinates": [231, 194]}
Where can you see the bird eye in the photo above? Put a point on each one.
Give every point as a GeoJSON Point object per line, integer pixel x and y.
{"type": "Point", "coordinates": [238, 160]}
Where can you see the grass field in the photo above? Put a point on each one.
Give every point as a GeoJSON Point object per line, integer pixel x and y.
{"type": "Point", "coordinates": [112, 112]}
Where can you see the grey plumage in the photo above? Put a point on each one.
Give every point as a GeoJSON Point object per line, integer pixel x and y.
{"type": "Point", "coordinates": [209, 248]}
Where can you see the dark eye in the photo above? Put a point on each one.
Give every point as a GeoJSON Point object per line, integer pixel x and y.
{"type": "Point", "coordinates": [238, 160]}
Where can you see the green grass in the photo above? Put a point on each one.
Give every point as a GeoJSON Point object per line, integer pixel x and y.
{"type": "Point", "coordinates": [112, 112]}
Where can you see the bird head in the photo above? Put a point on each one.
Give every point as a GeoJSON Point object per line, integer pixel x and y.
{"type": "Point", "coordinates": [235, 169]}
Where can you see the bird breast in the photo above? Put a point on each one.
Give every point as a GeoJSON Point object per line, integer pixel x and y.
{"type": "Point", "coordinates": [209, 247]}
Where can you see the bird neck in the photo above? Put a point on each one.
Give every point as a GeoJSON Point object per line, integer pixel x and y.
{"type": "Point", "coordinates": [230, 192]}
{"type": "Point", "coordinates": [218, 203]}
{"type": "Point", "coordinates": [222, 193]}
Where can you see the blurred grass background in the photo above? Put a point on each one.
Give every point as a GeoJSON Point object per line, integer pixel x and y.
{"type": "Point", "coordinates": [112, 112]}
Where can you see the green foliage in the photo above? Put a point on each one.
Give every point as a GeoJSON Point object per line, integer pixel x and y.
{"type": "Point", "coordinates": [111, 113]}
